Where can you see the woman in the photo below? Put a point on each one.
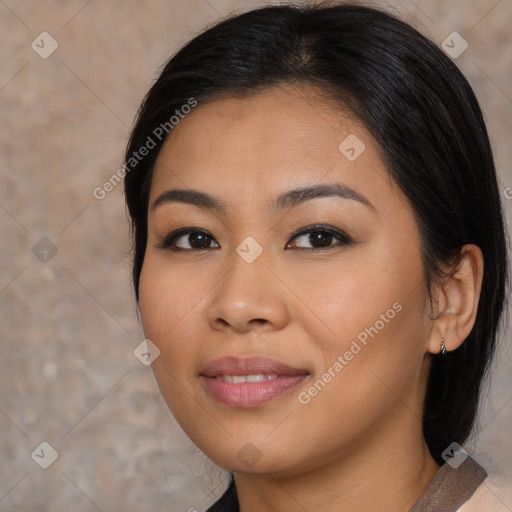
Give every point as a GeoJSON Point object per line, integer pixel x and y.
{"type": "Point", "coordinates": [320, 258]}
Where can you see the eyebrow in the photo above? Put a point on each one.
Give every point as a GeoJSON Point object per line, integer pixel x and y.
{"type": "Point", "coordinates": [287, 199]}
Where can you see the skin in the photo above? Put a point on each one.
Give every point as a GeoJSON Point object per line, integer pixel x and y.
{"type": "Point", "coordinates": [358, 444]}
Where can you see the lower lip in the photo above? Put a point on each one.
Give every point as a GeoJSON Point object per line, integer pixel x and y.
{"type": "Point", "coordinates": [252, 394]}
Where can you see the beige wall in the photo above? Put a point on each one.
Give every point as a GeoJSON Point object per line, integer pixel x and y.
{"type": "Point", "coordinates": [68, 329]}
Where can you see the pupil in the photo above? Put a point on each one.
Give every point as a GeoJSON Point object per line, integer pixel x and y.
{"type": "Point", "coordinates": [323, 238]}
{"type": "Point", "coordinates": [202, 241]}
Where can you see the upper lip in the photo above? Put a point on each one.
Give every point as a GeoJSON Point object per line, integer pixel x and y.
{"type": "Point", "coordinates": [249, 366]}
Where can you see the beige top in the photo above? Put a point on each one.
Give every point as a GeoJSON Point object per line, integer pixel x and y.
{"type": "Point", "coordinates": [451, 488]}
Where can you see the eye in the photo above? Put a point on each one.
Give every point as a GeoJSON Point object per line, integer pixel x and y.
{"type": "Point", "coordinates": [320, 237]}
{"type": "Point", "coordinates": [196, 239]}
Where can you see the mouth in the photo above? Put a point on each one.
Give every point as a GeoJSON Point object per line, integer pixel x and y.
{"type": "Point", "coordinates": [251, 381]}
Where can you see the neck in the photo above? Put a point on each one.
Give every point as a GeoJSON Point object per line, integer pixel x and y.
{"type": "Point", "coordinates": [388, 474]}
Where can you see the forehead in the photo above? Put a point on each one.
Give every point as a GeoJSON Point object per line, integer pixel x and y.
{"type": "Point", "coordinates": [280, 138]}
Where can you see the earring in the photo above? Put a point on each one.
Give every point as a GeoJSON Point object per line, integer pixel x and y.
{"type": "Point", "coordinates": [443, 348]}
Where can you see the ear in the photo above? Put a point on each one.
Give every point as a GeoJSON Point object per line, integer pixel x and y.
{"type": "Point", "coordinates": [457, 301]}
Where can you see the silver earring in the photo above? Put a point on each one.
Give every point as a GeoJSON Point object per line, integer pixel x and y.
{"type": "Point", "coordinates": [443, 348]}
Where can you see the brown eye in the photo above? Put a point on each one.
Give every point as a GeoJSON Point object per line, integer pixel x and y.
{"type": "Point", "coordinates": [320, 237]}
{"type": "Point", "coordinates": [194, 239]}
{"type": "Point", "coordinates": [188, 239]}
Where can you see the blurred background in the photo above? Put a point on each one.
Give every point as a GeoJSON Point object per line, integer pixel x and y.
{"type": "Point", "coordinates": [72, 76]}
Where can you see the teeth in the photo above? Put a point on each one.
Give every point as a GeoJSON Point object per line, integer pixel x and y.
{"type": "Point", "coordinates": [255, 378]}
{"type": "Point", "coordinates": [238, 379]}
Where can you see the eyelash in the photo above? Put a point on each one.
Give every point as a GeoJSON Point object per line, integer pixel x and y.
{"type": "Point", "coordinates": [344, 239]}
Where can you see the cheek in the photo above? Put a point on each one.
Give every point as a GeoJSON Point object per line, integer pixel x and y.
{"type": "Point", "coordinates": [169, 305]}
{"type": "Point", "coordinates": [368, 374]}
{"type": "Point", "coordinates": [353, 295]}
{"type": "Point", "coordinates": [167, 302]}
{"type": "Point", "coordinates": [373, 305]}
{"type": "Point", "coordinates": [166, 298]}
{"type": "Point", "coordinates": [382, 357]}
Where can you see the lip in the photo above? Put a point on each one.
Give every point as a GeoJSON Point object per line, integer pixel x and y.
{"type": "Point", "coordinates": [284, 379]}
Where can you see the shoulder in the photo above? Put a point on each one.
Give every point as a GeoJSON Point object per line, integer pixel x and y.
{"type": "Point", "coordinates": [485, 497]}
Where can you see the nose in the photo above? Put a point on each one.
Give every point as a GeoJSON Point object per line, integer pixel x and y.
{"type": "Point", "coordinates": [248, 298]}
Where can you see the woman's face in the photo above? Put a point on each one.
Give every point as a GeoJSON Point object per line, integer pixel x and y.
{"type": "Point", "coordinates": [329, 323]}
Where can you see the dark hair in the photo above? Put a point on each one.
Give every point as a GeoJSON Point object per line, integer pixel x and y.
{"type": "Point", "coordinates": [431, 134]}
